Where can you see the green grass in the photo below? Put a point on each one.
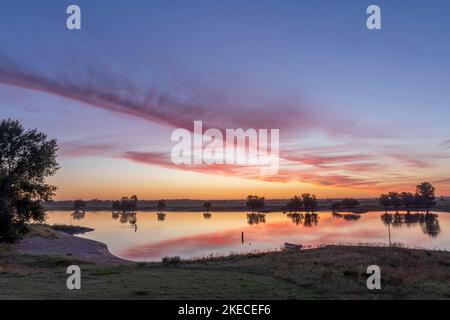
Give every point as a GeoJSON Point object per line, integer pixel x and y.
{"type": "Point", "coordinates": [332, 272]}
{"type": "Point", "coordinates": [339, 272]}
{"type": "Point", "coordinates": [133, 282]}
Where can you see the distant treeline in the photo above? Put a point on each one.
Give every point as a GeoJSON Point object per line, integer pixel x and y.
{"type": "Point", "coordinates": [422, 199]}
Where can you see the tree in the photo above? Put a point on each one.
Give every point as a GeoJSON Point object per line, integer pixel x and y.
{"type": "Point", "coordinates": [126, 204]}
{"type": "Point", "coordinates": [295, 204]}
{"type": "Point", "coordinates": [309, 201]}
{"type": "Point", "coordinates": [385, 201]}
{"type": "Point", "coordinates": [425, 195]}
{"type": "Point", "coordinates": [408, 200]}
{"type": "Point", "coordinates": [161, 205]}
{"type": "Point", "coordinates": [347, 203]}
{"type": "Point", "coordinates": [207, 205]}
{"type": "Point", "coordinates": [79, 204]}
{"type": "Point", "coordinates": [255, 203]}
{"type": "Point", "coordinates": [395, 199]}
{"type": "Point", "coordinates": [335, 206]}
{"type": "Point", "coordinates": [27, 158]}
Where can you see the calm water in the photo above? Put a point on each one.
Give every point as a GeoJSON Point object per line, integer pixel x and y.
{"type": "Point", "coordinates": [147, 236]}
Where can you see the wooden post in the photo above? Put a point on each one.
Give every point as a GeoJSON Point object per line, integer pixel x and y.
{"type": "Point", "coordinates": [242, 236]}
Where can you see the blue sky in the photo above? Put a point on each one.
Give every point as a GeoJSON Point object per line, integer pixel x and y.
{"type": "Point", "coordinates": [310, 68]}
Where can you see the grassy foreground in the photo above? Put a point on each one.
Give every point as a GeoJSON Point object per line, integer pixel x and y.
{"type": "Point", "coordinates": [26, 277]}
{"type": "Point", "coordinates": [332, 272]}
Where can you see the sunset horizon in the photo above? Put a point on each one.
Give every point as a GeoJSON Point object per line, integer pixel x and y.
{"type": "Point", "coordinates": [339, 136]}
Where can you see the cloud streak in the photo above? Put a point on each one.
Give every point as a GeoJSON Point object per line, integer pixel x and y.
{"type": "Point", "coordinates": [102, 89]}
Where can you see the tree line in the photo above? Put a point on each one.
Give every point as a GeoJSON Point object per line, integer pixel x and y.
{"type": "Point", "coordinates": [422, 199]}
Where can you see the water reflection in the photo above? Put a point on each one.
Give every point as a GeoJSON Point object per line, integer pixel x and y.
{"type": "Point", "coordinates": [306, 219]}
{"type": "Point", "coordinates": [256, 218]}
{"type": "Point", "coordinates": [311, 219]}
{"type": "Point", "coordinates": [428, 222]}
{"type": "Point", "coordinates": [128, 217]}
{"type": "Point", "coordinates": [346, 216]}
{"type": "Point", "coordinates": [207, 215]}
{"type": "Point", "coordinates": [190, 234]}
{"type": "Point", "coordinates": [78, 214]}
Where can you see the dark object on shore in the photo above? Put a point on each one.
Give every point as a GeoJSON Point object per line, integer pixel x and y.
{"type": "Point", "coordinates": [292, 246]}
{"type": "Point", "coordinates": [72, 230]}
{"type": "Point", "coordinates": [171, 260]}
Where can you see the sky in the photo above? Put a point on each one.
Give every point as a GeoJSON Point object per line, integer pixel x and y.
{"type": "Point", "coordinates": [360, 112]}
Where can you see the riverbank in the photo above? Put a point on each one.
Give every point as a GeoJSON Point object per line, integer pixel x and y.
{"type": "Point", "coordinates": [272, 205]}
{"type": "Point", "coordinates": [332, 272]}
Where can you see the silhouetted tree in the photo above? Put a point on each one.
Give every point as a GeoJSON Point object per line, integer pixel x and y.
{"type": "Point", "coordinates": [335, 206]}
{"type": "Point", "coordinates": [255, 203]}
{"type": "Point", "coordinates": [385, 201]}
{"type": "Point", "coordinates": [79, 205]}
{"type": "Point", "coordinates": [207, 205]}
{"type": "Point", "coordinates": [408, 201]}
{"type": "Point", "coordinates": [27, 158]}
{"type": "Point", "coordinates": [126, 204]}
{"type": "Point", "coordinates": [309, 202]}
{"type": "Point", "coordinates": [347, 203]}
{"type": "Point", "coordinates": [161, 205]}
{"type": "Point", "coordinates": [425, 196]}
{"type": "Point", "coordinates": [396, 200]}
{"type": "Point", "coordinates": [295, 204]}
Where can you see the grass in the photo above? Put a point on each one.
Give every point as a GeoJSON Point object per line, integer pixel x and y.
{"type": "Point", "coordinates": [137, 282]}
{"type": "Point", "coordinates": [332, 272]}
{"type": "Point", "coordinates": [42, 230]}
{"type": "Point", "coordinates": [339, 272]}
{"type": "Point", "coordinates": [73, 230]}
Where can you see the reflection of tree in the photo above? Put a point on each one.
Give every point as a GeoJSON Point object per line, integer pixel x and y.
{"type": "Point", "coordinates": [127, 217]}
{"type": "Point", "coordinates": [311, 219]}
{"type": "Point", "coordinates": [307, 219]}
{"type": "Point", "coordinates": [161, 216]}
{"type": "Point", "coordinates": [346, 216]}
{"type": "Point", "coordinates": [428, 222]}
{"type": "Point", "coordinates": [78, 215]}
{"type": "Point", "coordinates": [431, 226]}
{"type": "Point", "coordinates": [207, 215]}
{"type": "Point", "coordinates": [255, 218]}
{"type": "Point", "coordinates": [297, 218]}
{"type": "Point", "coordinates": [115, 215]}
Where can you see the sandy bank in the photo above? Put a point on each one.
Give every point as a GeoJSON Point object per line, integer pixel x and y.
{"type": "Point", "coordinates": [48, 242]}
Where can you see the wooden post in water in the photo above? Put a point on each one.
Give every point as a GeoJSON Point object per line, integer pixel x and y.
{"type": "Point", "coordinates": [242, 236]}
{"type": "Point", "coordinates": [389, 230]}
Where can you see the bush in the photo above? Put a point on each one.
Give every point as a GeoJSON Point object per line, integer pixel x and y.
{"type": "Point", "coordinates": [171, 260]}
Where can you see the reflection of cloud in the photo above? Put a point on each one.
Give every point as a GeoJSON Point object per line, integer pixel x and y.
{"type": "Point", "coordinates": [210, 242]}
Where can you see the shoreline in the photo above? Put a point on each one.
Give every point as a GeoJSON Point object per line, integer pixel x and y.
{"type": "Point", "coordinates": [44, 240]}
{"type": "Point", "coordinates": [232, 209]}
{"type": "Point", "coordinates": [329, 272]}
